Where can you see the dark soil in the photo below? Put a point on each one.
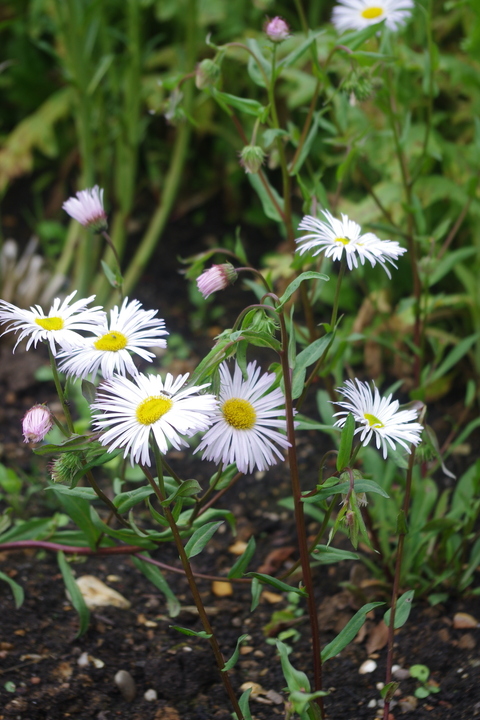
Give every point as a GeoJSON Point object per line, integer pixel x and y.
{"type": "Point", "coordinates": [47, 673]}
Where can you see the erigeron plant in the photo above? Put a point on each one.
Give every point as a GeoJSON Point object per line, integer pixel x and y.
{"type": "Point", "coordinates": [246, 420]}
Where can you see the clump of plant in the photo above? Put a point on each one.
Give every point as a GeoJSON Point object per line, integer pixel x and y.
{"type": "Point", "coordinates": [244, 418]}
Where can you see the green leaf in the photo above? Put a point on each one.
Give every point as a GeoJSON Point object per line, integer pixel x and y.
{"type": "Point", "coordinates": [244, 706]}
{"type": "Point", "coordinates": [296, 679]}
{"type": "Point", "coordinates": [346, 635]}
{"type": "Point", "coordinates": [202, 634]}
{"type": "Point", "coordinates": [454, 356]}
{"type": "Point", "coordinates": [421, 693]}
{"type": "Point", "coordinates": [251, 107]}
{"type": "Point", "coordinates": [326, 555]}
{"type": "Point", "coordinates": [152, 573]}
{"type": "Point", "coordinates": [79, 509]}
{"type": "Point", "coordinates": [307, 145]}
{"type": "Point", "coordinates": [402, 611]}
{"type": "Point", "coordinates": [89, 391]}
{"type": "Point", "coordinates": [255, 589]}
{"type": "Point", "coordinates": [86, 493]}
{"type": "Point", "coordinates": [270, 208]}
{"type": "Point", "coordinates": [74, 442]}
{"type": "Point", "coordinates": [17, 590]}
{"type": "Point", "coordinates": [76, 596]}
{"type": "Point", "coordinates": [297, 53]}
{"type": "Point", "coordinates": [295, 284]}
{"type": "Point", "coordinates": [126, 500]}
{"type": "Point", "coordinates": [420, 672]}
{"type": "Point", "coordinates": [310, 355]}
{"type": "Point", "coordinates": [278, 584]}
{"type": "Point", "coordinates": [200, 538]}
{"type": "Point", "coordinates": [346, 440]}
{"type": "Point", "coordinates": [353, 40]}
{"type": "Point", "coordinates": [240, 565]}
{"type": "Point", "coordinates": [448, 262]}
{"type": "Point", "coordinates": [233, 660]}
{"type": "Point", "coordinates": [343, 488]}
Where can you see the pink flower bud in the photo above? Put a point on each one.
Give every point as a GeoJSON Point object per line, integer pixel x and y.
{"type": "Point", "coordinates": [277, 29]}
{"type": "Point", "coordinates": [218, 277]}
{"type": "Point", "coordinates": [87, 208]}
{"type": "Point", "coordinates": [36, 423]}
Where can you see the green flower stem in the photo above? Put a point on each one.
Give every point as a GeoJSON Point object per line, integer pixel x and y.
{"type": "Point", "coordinates": [300, 516]}
{"type": "Point", "coordinates": [60, 393]}
{"type": "Point", "coordinates": [159, 490]}
{"type": "Point", "coordinates": [93, 484]}
{"type": "Point", "coordinates": [117, 260]}
{"type": "Point", "coordinates": [257, 274]}
{"type": "Point", "coordinates": [396, 579]}
{"type": "Point", "coordinates": [341, 273]}
{"type": "Point", "coordinates": [219, 494]}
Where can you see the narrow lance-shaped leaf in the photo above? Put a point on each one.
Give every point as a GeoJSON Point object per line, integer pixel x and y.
{"type": "Point", "coordinates": [233, 660]}
{"type": "Point", "coordinates": [200, 538]}
{"type": "Point", "coordinates": [75, 595]}
{"type": "Point", "coordinates": [17, 590]}
{"type": "Point", "coordinates": [402, 611]}
{"type": "Point", "coordinates": [349, 631]}
{"type": "Point", "coordinates": [241, 564]}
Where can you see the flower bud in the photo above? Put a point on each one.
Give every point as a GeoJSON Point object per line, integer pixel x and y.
{"type": "Point", "coordinates": [64, 468]}
{"type": "Point", "coordinates": [277, 29]}
{"type": "Point", "coordinates": [87, 209]}
{"type": "Point", "coordinates": [206, 74]}
{"type": "Point", "coordinates": [218, 277]}
{"type": "Point", "coordinates": [251, 158]}
{"type": "Point", "coordinates": [36, 424]}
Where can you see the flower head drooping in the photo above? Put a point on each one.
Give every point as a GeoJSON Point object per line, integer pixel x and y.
{"type": "Point", "coordinates": [336, 237]}
{"type": "Point", "coordinates": [130, 329]}
{"type": "Point", "coordinates": [277, 29]}
{"type": "Point", "coordinates": [378, 417]}
{"type": "Point", "coordinates": [359, 14]}
{"type": "Point", "coordinates": [218, 277]}
{"type": "Point", "coordinates": [58, 327]}
{"type": "Point", "coordinates": [87, 208]}
{"type": "Point", "coordinates": [243, 426]}
{"type": "Point", "coordinates": [36, 424]}
{"type": "Point", "coordinates": [132, 411]}
{"type": "Point", "coordinates": [251, 159]}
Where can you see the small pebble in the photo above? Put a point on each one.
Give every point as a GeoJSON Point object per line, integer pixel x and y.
{"type": "Point", "coordinates": [150, 695]}
{"type": "Point", "coordinates": [83, 660]}
{"type": "Point", "coordinates": [126, 684]}
{"type": "Point", "coordinates": [367, 667]}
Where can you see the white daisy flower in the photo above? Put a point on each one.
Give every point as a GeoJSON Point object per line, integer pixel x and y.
{"type": "Point", "coordinates": [135, 410]}
{"type": "Point", "coordinates": [378, 417]}
{"type": "Point", "coordinates": [87, 208]}
{"type": "Point", "coordinates": [130, 329]}
{"type": "Point", "coordinates": [58, 327]}
{"type": "Point", "coordinates": [336, 237]}
{"type": "Point", "coordinates": [359, 14]}
{"type": "Point", "coordinates": [242, 430]}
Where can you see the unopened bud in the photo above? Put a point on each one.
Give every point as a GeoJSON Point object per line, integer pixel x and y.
{"type": "Point", "coordinates": [360, 85]}
{"type": "Point", "coordinates": [65, 467]}
{"type": "Point", "coordinates": [251, 158]}
{"type": "Point", "coordinates": [277, 29]}
{"type": "Point", "coordinates": [206, 74]}
{"type": "Point", "coordinates": [218, 277]}
{"type": "Point", "coordinates": [36, 424]}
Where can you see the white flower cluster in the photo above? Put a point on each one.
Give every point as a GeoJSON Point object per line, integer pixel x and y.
{"type": "Point", "coordinates": [246, 425]}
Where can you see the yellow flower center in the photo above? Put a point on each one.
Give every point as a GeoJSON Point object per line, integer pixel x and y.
{"type": "Point", "coordinates": [152, 409]}
{"type": "Point", "coordinates": [239, 413]}
{"type": "Point", "coordinates": [50, 323]}
{"type": "Point", "coordinates": [344, 241]}
{"type": "Point", "coordinates": [373, 421]}
{"type": "Point", "coordinates": [112, 341]}
{"type": "Point", "coordinates": [371, 13]}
